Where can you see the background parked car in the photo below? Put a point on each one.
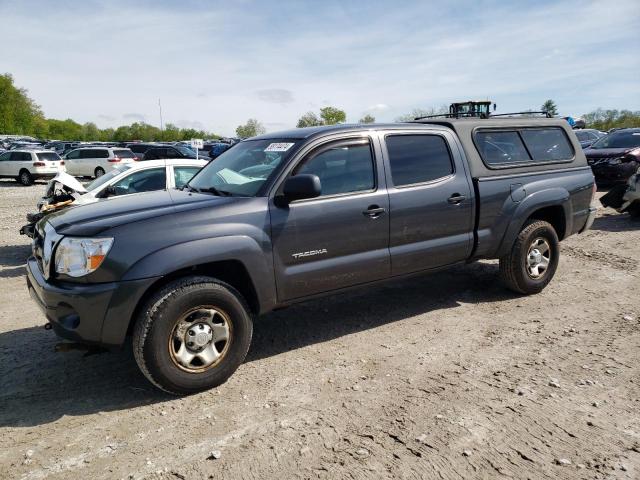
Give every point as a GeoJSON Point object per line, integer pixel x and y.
{"type": "Point", "coordinates": [96, 161]}
{"type": "Point", "coordinates": [587, 136]}
{"type": "Point", "coordinates": [159, 152]}
{"type": "Point", "coordinates": [28, 165]}
{"type": "Point", "coordinates": [140, 148]}
{"type": "Point", "coordinates": [615, 157]}
{"type": "Point", "coordinates": [122, 180]}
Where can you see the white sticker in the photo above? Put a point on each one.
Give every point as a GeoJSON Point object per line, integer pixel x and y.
{"type": "Point", "coordinates": [636, 134]}
{"type": "Point", "coordinates": [278, 147]}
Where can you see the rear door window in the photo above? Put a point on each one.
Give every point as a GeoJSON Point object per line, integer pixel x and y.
{"type": "Point", "coordinates": [418, 158]}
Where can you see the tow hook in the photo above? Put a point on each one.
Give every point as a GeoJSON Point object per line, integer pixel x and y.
{"type": "Point", "coordinates": [48, 326]}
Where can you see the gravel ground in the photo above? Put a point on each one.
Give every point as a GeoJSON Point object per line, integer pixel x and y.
{"type": "Point", "coordinates": [444, 376]}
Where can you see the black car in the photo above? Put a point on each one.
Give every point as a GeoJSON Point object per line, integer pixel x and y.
{"type": "Point", "coordinates": [615, 157]}
{"type": "Point", "coordinates": [158, 152]}
{"type": "Point", "coordinates": [588, 136]}
{"type": "Point", "coordinates": [140, 148]}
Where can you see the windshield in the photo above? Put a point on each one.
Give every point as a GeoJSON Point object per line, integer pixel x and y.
{"type": "Point", "coordinates": [583, 136]}
{"type": "Point", "coordinates": [186, 151]}
{"type": "Point", "coordinates": [243, 169]}
{"type": "Point", "coordinates": [620, 139]}
{"type": "Point", "coordinates": [100, 181]}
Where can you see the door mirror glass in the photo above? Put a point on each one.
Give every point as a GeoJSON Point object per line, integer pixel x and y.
{"type": "Point", "coordinates": [301, 186]}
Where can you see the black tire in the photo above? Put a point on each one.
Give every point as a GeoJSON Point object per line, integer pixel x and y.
{"type": "Point", "coordinates": [98, 172]}
{"type": "Point", "coordinates": [25, 178]}
{"type": "Point", "coordinates": [156, 326]}
{"type": "Point", "coordinates": [515, 267]}
{"type": "Point", "coordinates": [634, 209]}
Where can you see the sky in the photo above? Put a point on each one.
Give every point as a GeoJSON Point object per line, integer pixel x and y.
{"type": "Point", "coordinates": [216, 64]}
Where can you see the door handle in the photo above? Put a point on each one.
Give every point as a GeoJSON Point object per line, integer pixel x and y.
{"type": "Point", "coordinates": [374, 211]}
{"type": "Point", "coordinates": [456, 199]}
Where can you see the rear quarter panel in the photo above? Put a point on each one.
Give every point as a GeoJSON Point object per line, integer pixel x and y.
{"type": "Point", "coordinates": [508, 200]}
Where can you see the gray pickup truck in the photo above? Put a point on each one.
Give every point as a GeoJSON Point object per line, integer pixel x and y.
{"type": "Point", "coordinates": [289, 216]}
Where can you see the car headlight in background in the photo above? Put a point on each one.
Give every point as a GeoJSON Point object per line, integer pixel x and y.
{"type": "Point", "coordinates": [80, 256]}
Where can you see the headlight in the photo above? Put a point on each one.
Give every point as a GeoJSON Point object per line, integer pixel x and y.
{"type": "Point", "coordinates": [80, 256]}
{"type": "Point", "coordinates": [615, 161]}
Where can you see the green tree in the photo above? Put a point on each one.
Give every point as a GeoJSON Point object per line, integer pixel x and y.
{"type": "Point", "coordinates": [367, 119]}
{"type": "Point", "coordinates": [550, 107]}
{"type": "Point", "coordinates": [18, 113]}
{"type": "Point", "coordinates": [604, 120]}
{"type": "Point", "coordinates": [309, 119]}
{"type": "Point", "coordinates": [332, 115]}
{"type": "Point", "coordinates": [250, 129]}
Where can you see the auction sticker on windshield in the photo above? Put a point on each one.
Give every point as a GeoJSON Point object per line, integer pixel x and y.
{"type": "Point", "coordinates": [278, 147]}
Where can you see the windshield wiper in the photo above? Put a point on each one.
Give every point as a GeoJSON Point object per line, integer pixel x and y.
{"type": "Point", "coordinates": [214, 190]}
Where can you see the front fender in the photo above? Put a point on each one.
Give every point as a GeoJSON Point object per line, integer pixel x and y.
{"type": "Point", "coordinates": [257, 261]}
{"type": "Point", "coordinates": [549, 197]}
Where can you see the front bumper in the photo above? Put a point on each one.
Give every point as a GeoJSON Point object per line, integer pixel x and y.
{"type": "Point", "coordinates": [97, 314]}
{"type": "Point", "coordinates": [612, 174]}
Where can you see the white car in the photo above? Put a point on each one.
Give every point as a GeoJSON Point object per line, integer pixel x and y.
{"type": "Point", "coordinates": [28, 165]}
{"type": "Point", "coordinates": [96, 161]}
{"type": "Point", "coordinates": [125, 179]}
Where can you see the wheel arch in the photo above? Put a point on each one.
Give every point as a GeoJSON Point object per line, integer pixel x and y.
{"type": "Point", "coordinates": [551, 205]}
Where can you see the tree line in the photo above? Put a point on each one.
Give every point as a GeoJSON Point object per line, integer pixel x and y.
{"type": "Point", "coordinates": [20, 115]}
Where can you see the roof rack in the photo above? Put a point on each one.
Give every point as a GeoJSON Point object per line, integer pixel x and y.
{"type": "Point", "coordinates": [476, 115]}
{"type": "Point", "coordinates": [541, 112]}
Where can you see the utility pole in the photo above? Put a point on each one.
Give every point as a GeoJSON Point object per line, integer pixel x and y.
{"type": "Point", "coordinates": [160, 107]}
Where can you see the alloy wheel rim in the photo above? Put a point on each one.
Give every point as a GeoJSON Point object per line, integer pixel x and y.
{"type": "Point", "coordinates": [538, 258]}
{"type": "Point", "coordinates": [200, 339]}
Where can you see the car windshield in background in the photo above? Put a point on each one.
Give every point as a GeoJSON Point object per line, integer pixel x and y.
{"type": "Point", "coordinates": [583, 136]}
{"type": "Point", "coordinates": [98, 182]}
{"type": "Point", "coordinates": [50, 156]}
{"type": "Point", "coordinates": [621, 139]}
{"type": "Point", "coordinates": [243, 169]}
{"type": "Point", "coordinates": [124, 153]}
{"type": "Point", "coordinates": [185, 151]}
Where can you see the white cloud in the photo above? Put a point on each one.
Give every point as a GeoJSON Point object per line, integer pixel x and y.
{"type": "Point", "coordinates": [219, 67]}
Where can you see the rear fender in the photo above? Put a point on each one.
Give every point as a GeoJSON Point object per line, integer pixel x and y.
{"type": "Point", "coordinates": [549, 197]}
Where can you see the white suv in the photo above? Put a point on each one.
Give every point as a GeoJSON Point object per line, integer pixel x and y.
{"type": "Point", "coordinates": [28, 165]}
{"type": "Point", "coordinates": [96, 161]}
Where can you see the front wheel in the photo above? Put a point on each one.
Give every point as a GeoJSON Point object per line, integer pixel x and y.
{"type": "Point", "coordinates": [99, 172]}
{"type": "Point", "coordinates": [533, 259]}
{"type": "Point", "coordinates": [192, 335]}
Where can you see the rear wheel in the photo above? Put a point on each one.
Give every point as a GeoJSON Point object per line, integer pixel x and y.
{"type": "Point", "coordinates": [99, 172]}
{"type": "Point", "coordinates": [533, 259]}
{"type": "Point", "coordinates": [25, 178]}
{"type": "Point", "coordinates": [192, 335]}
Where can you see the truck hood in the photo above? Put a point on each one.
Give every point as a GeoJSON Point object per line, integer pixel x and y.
{"type": "Point", "coordinates": [94, 218]}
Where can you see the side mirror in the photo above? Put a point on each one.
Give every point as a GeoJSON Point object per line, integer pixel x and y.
{"type": "Point", "coordinates": [109, 191]}
{"type": "Point", "coordinates": [301, 186]}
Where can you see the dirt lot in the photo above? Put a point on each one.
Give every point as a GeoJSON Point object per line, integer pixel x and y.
{"type": "Point", "coordinates": [445, 376]}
